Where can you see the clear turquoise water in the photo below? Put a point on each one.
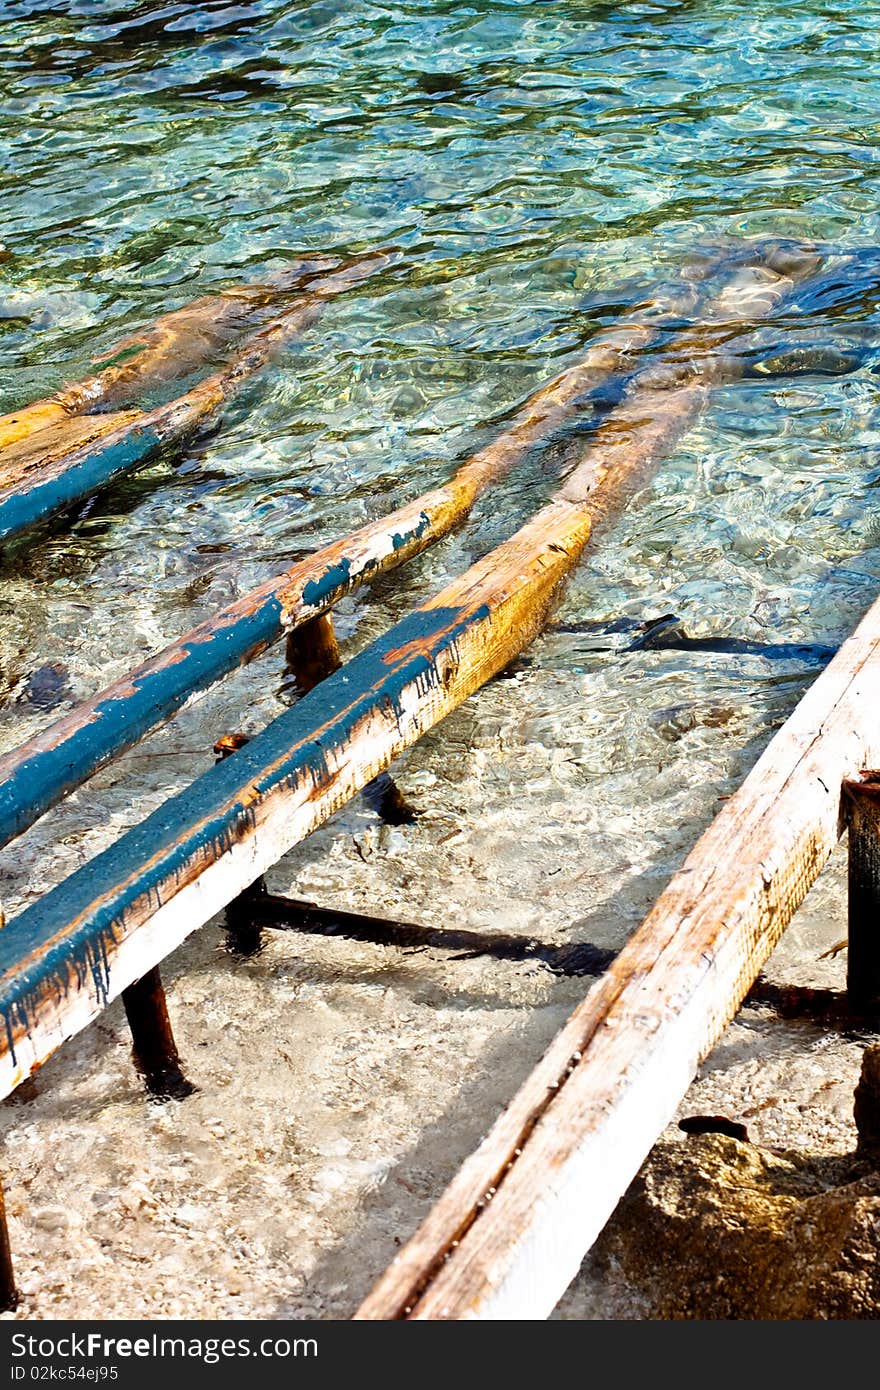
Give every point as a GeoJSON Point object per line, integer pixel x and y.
{"type": "Point", "coordinates": [541, 166]}
{"type": "Point", "coordinates": [538, 163]}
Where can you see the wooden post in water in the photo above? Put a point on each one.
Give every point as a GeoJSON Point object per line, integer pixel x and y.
{"type": "Point", "coordinates": [242, 915]}
{"type": "Point", "coordinates": [153, 1045]}
{"type": "Point", "coordinates": [313, 653]}
{"type": "Point", "coordinates": [312, 656]}
{"type": "Point", "coordinates": [861, 801]}
{"type": "Point", "coordinates": [8, 1291]}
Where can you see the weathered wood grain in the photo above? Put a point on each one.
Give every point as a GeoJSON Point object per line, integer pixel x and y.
{"type": "Point", "coordinates": [511, 1230]}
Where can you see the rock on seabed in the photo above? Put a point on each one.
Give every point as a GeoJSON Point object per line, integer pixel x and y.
{"type": "Point", "coordinates": [713, 1227]}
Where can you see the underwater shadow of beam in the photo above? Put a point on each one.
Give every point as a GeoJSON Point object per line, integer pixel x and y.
{"type": "Point", "coordinates": [829, 1007]}
{"type": "Point", "coordinates": [279, 913]}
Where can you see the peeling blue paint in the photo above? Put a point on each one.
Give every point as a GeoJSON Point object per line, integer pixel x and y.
{"type": "Point", "coordinates": [91, 471]}
{"type": "Point", "coordinates": [48, 775]}
{"type": "Point", "coordinates": [68, 934]}
{"type": "Point", "coordinates": [400, 539]}
{"type": "Point", "coordinates": [337, 576]}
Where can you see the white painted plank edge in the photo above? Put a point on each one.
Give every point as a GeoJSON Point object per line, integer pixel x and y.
{"type": "Point", "coordinates": [511, 1230]}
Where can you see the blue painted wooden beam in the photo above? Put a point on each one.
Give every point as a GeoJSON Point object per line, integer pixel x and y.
{"type": "Point", "coordinates": [66, 956]}
{"type": "Point", "coordinates": [39, 773]}
{"type": "Point", "coordinates": [86, 471]}
{"type": "Point", "coordinates": [176, 346]}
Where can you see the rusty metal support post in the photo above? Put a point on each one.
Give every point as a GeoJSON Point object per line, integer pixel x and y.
{"type": "Point", "coordinates": [861, 800]}
{"type": "Point", "coordinates": [8, 1291]}
{"type": "Point", "coordinates": [153, 1045]}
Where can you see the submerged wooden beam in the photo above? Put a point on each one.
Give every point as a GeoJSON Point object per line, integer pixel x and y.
{"type": "Point", "coordinates": [175, 346]}
{"type": "Point", "coordinates": [511, 1230]}
{"type": "Point", "coordinates": [65, 957]}
{"type": "Point", "coordinates": [65, 463]}
{"type": "Point", "coordinates": [46, 768]}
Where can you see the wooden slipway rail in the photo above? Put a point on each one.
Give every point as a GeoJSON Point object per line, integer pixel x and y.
{"type": "Point", "coordinates": [37, 774]}
{"type": "Point", "coordinates": [175, 346]}
{"type": "Point", "coordinates": [104, 930]}
{"type": "Point", "coordinates": [509, 1233]}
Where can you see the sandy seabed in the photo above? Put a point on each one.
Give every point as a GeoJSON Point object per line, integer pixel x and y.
{"type": "Point", "coordinates": [340, 1084]}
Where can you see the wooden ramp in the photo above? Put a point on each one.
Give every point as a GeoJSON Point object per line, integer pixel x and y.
{"type": "Point", "coordinates": [509, 1234]}
{"type": "Point", "coordinates": [36, 775]}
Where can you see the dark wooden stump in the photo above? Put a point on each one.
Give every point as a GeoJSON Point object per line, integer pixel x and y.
{"type": "Point", "coordinates": [153, 1045]}
{"type": "Point", "coordinates": [244, 935]}
{"type": "Point", "coordinates": [866, 1110]}
{"type": "Point", "coordinates": [861, 800]}
{"type": "Point", "coordinates": [8, 1291]}
{"type": "Point", "coordinates": [313, 653]}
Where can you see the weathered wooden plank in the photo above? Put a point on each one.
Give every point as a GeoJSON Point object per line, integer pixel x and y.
{"type": "Point", "coordinates": [174, 347]}
{"type": "Point", "coordinates": [47, 767]}
{"type": "Point", "coordinates": [42, 486]}
{"type": "Point", "coordinates": [41, 771]}
{"type": "Point", "coordinates": [65, 957]}
{"type": "Point", "coordinates": [509, 1233]}
{"type": "Point", "coordinates": [54, 468]}
{"type": "Point", "coordinates": [58, 439]}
